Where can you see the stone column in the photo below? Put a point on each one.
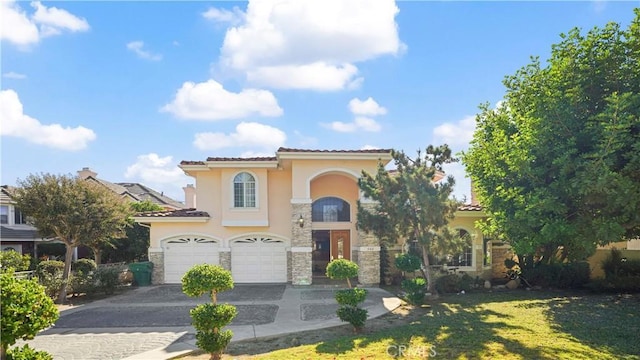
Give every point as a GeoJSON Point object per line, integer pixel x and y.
{"type": "Point", "coordinates": [156, 256]}
{"type": "Point", "coordinates": [368, 255]}
{"type": "Point", "coordinates": [301, 245]}
{"type": "Point", "coordinates": [225, 258]}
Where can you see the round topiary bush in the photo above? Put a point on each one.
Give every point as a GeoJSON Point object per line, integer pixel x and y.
{"type": "Point", "coordinates": [342, 269]}
{"type": "Point", "coordinates": [408, 263]}
{"type": "Point", "coordinates": [84, 265]}
{"type": "Point", "coordinates": [354, 316]}
{"type": "Point", "coordinates": [351, 296]}
{"type": "Point", "coordinates": [206, 278]}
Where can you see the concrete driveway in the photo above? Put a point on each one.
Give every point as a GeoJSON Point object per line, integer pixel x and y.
{"type": "Point", "coordinates": [153, 322]}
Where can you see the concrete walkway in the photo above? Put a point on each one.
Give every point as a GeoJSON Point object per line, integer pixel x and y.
{"type": "Point", "coordinates": [153, 322]}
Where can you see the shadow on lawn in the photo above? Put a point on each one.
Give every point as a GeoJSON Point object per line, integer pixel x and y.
{"type": "Point", "coordinates": [610, 322]}
{"type": "Point", "coordinates": [454, 329]}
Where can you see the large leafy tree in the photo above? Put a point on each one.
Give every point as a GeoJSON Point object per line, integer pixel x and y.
{"type": "Point", "coordinates": [134, 246]}
{"type": "Point", "coordinates": [557, 164]}
{"type": "Point", "coordinates": [409, 205]}
{"type": "Point", "coordinates": [71, 210]}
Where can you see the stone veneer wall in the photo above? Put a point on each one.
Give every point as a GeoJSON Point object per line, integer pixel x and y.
{"type": "Point", "coordinates": [157, 274]}
{"type": "Point", "coordinates": [368, 255]}
{"type": "Point", "coordinates": [301, 245]}
{"type": "Point", "coordinates": [225, 259]}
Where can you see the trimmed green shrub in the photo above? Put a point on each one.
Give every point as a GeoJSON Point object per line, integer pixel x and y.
{"type": "Point", "coordinates": [209, 316]}
{"type": "Point", "coordinates": [213, 342]}
{"type": "Point", "coordinates": [448, 284]}
{"type": "Point", "coordinates": [26, 309]}
{"type": "Point", "coordinates": [342, 269]}
{"type": "Point", "coordinates": [408, 263]}
{"type": "Point", "coordinates": [415, 289]}
{"type": "Point", "coordinates": [561, 276]}
{"type": "Point", "coordinates": [630, 268]}
{"type": "Point", "coordinates": [206, 279]}
{"type": "Point", "coordinates": [27, 353]}
{"type": "Point", "coordinates": [12, 260]}
{"type": "Point", "coordinates": [353, 315]}
{"type": "Point", "coordinates": [107, 279]}
{"type": "Point", "coordinates": [84, 265]}
{"type": "Point", "coordinates": [52, 267]}
{"type": "Point", "coordinates": [351, 296]}
{"type": "Point", "coordinates": [82, 283]}
{"type": "Point", "coordinates": [616, 285]}
{"type": "Point", "coordinates": [209, 319]}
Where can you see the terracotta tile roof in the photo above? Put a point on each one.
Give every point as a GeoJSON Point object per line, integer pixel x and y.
{"type": "Point", "coordinates": [174, 213]}
{"type": "Point", "coordinates": [187, 162]}
{"type": "Point", "coordinates": [265, 158]}
{"type": "Point", "coordinates": [470, 207]}
{"type": "Point", "coordinates": [368, 151]}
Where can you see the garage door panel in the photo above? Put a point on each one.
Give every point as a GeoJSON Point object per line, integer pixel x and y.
{"type": "Point", "coordinates": [180, 257]}
{"type": "Point", "coordinates": [259, 262]}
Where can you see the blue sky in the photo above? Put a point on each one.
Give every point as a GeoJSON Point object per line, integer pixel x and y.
{"type": "Point", "coordinates": [130, 89]}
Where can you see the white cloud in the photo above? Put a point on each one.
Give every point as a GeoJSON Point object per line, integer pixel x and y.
{"type": "Point", "coordinates": [304, 140]}
{"type": "Point", "coordinates": [232, 17]}
{"type": "Point", "coordinates": [136, 47]}
{"type": "Point", "coordinates": [292, 37]}
{"type": "Point", "coordinates": [14, 75]}
{"type": "Point", "coordinates": [18, 28]}
{"type": "Point", "coordinates": [151, 168]}
{"type": "Point", "coordinates": [16, 123]}
{"type": "Point", "coordinates": [319, 76]}
{"type": "Point", "coordinates": [247, 135]}
{"type": "Point", "coordinates": [210, 101]}
{"type": "Point", "coordinates": [369, 147]}
{"type": "Point", "coordinates": [359, 123]}
{"type": "Point", "coordinates": [456, 134]}
{"type": "Point", "coordinates": [367, 107]}
{"type": "Point", "coordinates": [159, 173]}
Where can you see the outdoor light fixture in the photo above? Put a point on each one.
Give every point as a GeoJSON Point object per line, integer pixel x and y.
{"type": "Point", "coordinates": [301, 221]}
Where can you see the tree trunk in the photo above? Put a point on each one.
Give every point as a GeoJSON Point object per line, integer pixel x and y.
{"type": "Point", "coordinates": [97, 255]}
{"type": "Point", "coordinates": [68, 258]}
{"type": "Point", "coordinates": [3, 352]}
{"type": "Point", "coordinates": [431, 286]}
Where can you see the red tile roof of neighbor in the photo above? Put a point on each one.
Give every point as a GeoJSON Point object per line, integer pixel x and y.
{"type": "Point", "coordinates": [368, 151]}
{"type": "Point", "coordinates": [175, 213]}
{"type": "Point", "coordinates": [470, 207]}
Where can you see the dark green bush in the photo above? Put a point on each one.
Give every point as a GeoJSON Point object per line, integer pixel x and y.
{"type": "Point", "coordinates": [351, 297]}
{"type": "Point", "coordinates": [84, 265]}
{"type": "Point", "coordinates": [408, 263]}
{"type": "Point", "coordinates": [616, 285]}
{"type": "Point", "coordinates": [107, 279]}
{"type": "Point", "coordinates": [561, 276]}
{"type": "Point", "coordinates": [448, 284]}
{"type": "Point", "coordinates": [353, 315]}
{"type": "Point", "coordinates": [82, 283]}
{"type": "Point", "coordinates": [205, 278]}
{"type": "Point", "coordinates": [52, 267]}
{"type": "Point", "coordinates": [630, 268]}
{"type": "Point", "coordinates": [14, 260]}
{"type": "Point", "coordinates": [27, 353]}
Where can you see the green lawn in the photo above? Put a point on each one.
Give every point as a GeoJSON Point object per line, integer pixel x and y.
{"type": "Point", "coordinates": [499, 325]}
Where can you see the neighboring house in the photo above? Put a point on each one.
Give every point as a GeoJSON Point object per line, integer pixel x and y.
{"type": "Point", "coordinates": [15, 233]}
{"type": "Point", "coordinates": [133, 191]}
{"type": "Point", "coordinates": [282, 219]}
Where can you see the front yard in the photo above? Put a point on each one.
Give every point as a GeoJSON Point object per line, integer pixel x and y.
{"type": "Point", "coordinates": [486, 325]}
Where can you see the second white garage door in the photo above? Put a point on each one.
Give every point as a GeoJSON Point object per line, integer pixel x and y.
{"type": "Point", "coordinates": [259, 260]}
{"type": "Point", "coordinates": [182, 253]}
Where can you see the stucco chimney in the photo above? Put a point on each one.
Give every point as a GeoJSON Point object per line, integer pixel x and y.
{"type": "Point", "coordinates": [190, 196]}
{"type": "Point", "coordinates": [86, 172]}
{"type": "Point", "coordinates": [474, 197]}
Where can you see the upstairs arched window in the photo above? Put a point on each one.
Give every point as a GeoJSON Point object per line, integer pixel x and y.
{"type": "Point", "coordinates": [244, 191]}
{"type": "Point", "coordinates": [465, 257]}
{"type": "Point", "coordinates": [330, 209]}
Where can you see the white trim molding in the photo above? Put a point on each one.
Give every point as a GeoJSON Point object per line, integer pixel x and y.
{"type": "Point", "coordinates": [171, 219]}
{"type": "Point", "coordinates": [234, 223]}
{"type": "Point", "coordinates": [301, 201]}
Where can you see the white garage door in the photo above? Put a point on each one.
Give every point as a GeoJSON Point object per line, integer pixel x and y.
{"type": "Point", "coordinates": [181, 254]}
{"type": "Point", "coordinates": [259, 260]}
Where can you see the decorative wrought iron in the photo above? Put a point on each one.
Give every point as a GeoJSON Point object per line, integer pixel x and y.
{"type": "Point", "coordinates": [256, 240]}
{"type": "Point", "coordinates": [191, 240]}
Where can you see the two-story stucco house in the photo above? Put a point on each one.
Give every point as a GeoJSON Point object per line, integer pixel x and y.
{"type": "Point", "coordinates": [268, 219]}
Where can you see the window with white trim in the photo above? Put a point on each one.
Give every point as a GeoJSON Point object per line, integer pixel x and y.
{"type": "Point", "coordinates": [244, 191]}
{"type": "Point", "coordinates": [4, 214]}
{"type": "Point", "coordinates": [465, 257]}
